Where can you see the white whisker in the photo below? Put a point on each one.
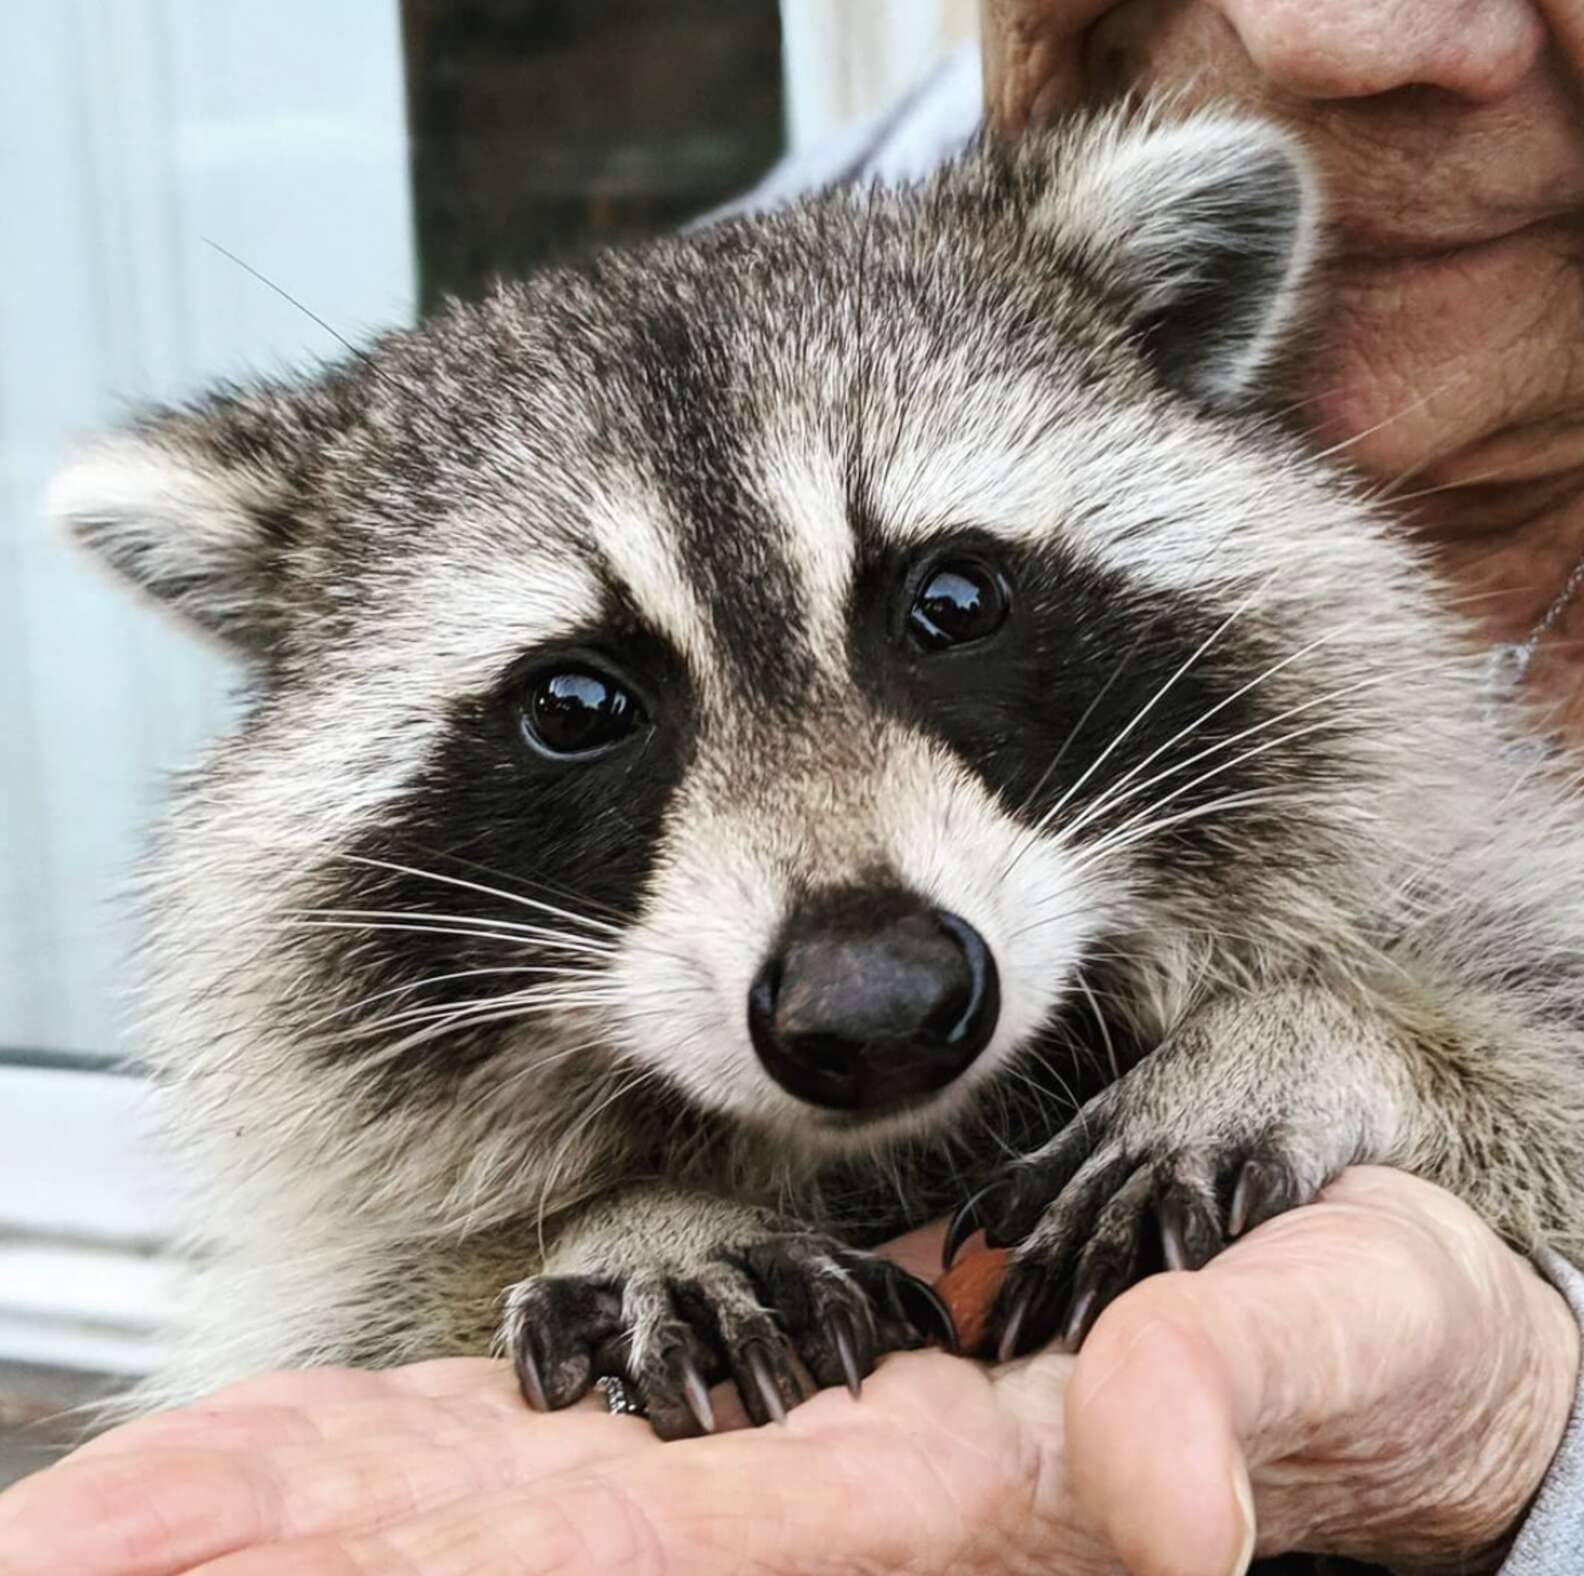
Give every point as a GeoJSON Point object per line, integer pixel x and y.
{"type": "Point", "coordinates": [507, 929]}
{"type": "Point", "coordinates": [1138, 717]}
{"type": "Point", "coordinates": [1142, 827]}
{"type": "Point", "coordinates": [1109, 801]}
{"type": "Point", "coordinates": [489, 891]}
{"type": "Point", "coordinates": [1100, 1022]}
{"type": "Point", "coordinates": [522, 943]}
{"type": "Point", "coordinates": [1205, 716]}
{"type": "Point", "coordinates": [412, 986]}
{"type": "Point", "coordinates": [467, 1019]}
{"type": "Point", "coordinates": [554, 996]}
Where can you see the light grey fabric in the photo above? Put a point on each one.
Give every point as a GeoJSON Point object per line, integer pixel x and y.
{"type": "Point", "coordinates": [904, 144]}
{"type": "Point", "coordinates": [1551, 1542]}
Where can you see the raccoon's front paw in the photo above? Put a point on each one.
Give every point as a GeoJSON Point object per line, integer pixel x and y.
{"type": "Point", "coordinates": [1127, 1189]}
{"type": "Point", "coordinates": [762, 1314]}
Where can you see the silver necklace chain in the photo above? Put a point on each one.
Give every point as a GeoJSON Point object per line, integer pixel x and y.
{"type": "Point", "coordinates": [1513, 661]}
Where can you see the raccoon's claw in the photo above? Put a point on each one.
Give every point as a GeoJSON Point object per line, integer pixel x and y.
{"type": "Point", "coordinates": [1085, 1233]}
{"type": "Point", "coordinates": [839, 1330]}
{"type": "Point", "coordinates": [967, 1221]}
{"type": "Point", "coordinates": [917, 1303]}
{"type": "Point", "coordinates": [770, 1374]}
{"type": "Point", "coordinates": [1190, 1218]}
{"type": "Point", "coordinates": [555, 1330]}
{"type": "Point", "coordinates": [1016, 1201]}
{"type": "Point", "coordinates": [1265, 1189]}
{"type": "Point", "coordinates": [695, 1393]}
{"type": "Point", "coordinates": [764, 1315]}
{"type": "Point", "coordinates": [529, 1378]}
{"type": "Point", "coordinates": [1035, 1310]}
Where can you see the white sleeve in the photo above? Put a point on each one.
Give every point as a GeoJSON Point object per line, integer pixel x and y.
{"type": "Point", "coordinates": [899, 144]}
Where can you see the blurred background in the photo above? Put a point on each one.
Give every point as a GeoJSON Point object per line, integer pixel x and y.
{"type": "Point", "coordinates": [160, 160]}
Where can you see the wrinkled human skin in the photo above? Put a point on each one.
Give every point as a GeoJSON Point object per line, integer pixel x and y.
{"type": "Point", "coordinates": [1450, 347]}
{"type": "Point", "coordinates": [1391, 1377]}
{"type": "Point", "coordinates": [1398, 1379]}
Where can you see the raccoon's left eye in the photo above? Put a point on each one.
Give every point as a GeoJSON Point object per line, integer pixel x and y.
{"type": "Point", "coordinates": [577, 712]}
{"type": "Point", "coordinates": [960, 601]}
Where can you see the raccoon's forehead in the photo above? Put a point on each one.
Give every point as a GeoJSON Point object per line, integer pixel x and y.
{"type": "Point", "coordinates": [723, 481]}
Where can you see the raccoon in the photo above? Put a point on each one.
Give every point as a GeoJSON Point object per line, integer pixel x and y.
{"type": "Point", "coordinates": [760, 740]}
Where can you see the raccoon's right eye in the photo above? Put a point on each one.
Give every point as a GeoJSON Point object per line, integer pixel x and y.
{"type": "Point", "coordinates": [572, 712]}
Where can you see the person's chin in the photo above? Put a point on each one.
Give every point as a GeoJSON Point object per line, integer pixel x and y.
{"type": "Point", "coordinates": [1432, 349]}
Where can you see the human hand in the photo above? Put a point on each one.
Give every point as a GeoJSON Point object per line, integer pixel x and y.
{"type": "Point", "coordinates": [1394, 1380]}
{"type": "Point", "coordinates": [439, 1468]}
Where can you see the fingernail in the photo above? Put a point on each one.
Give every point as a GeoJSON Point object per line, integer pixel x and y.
{"type": "Point", "coordinates": [1244, 1495]}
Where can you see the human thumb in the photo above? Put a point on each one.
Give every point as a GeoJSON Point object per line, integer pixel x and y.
{"type": "Point", "coordinates": [1153, 1446]}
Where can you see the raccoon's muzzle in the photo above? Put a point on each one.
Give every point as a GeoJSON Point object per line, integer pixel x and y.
{"type": "Point", "coordinates": [872, 1001]}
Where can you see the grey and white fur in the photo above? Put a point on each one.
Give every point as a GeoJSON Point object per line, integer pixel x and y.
{"type": "Point", "coordinates": [1008, 764]}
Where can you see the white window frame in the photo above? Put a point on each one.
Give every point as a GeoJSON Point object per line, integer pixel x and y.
{"type": "Point", "coordinates": [848, 61]}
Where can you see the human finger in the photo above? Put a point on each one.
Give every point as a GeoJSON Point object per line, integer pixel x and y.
{"type": "Point", "coordinates": [161, 1511]}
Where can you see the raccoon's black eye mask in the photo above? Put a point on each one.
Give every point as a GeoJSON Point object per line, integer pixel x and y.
{"type": "Point", "coordinates": [576, 709]}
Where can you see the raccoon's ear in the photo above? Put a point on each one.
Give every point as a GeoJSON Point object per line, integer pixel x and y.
{"type": "Point", "coordinates": [197, 507]}
{"type": "Point", "coordinates": [1204, 231]}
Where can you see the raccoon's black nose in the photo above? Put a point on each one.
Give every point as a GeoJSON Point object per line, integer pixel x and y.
{"type": "Point", "coordinates": [860, 1009]}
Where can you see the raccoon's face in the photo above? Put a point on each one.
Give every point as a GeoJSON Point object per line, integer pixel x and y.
{"type": "Point", "coordinates": [772, 665]}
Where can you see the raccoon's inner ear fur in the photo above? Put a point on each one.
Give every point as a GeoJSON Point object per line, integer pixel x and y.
{"type": "Point", "coordinates": [1204, 231]}
{"type": "Point", "coordinates": [194, 507]}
